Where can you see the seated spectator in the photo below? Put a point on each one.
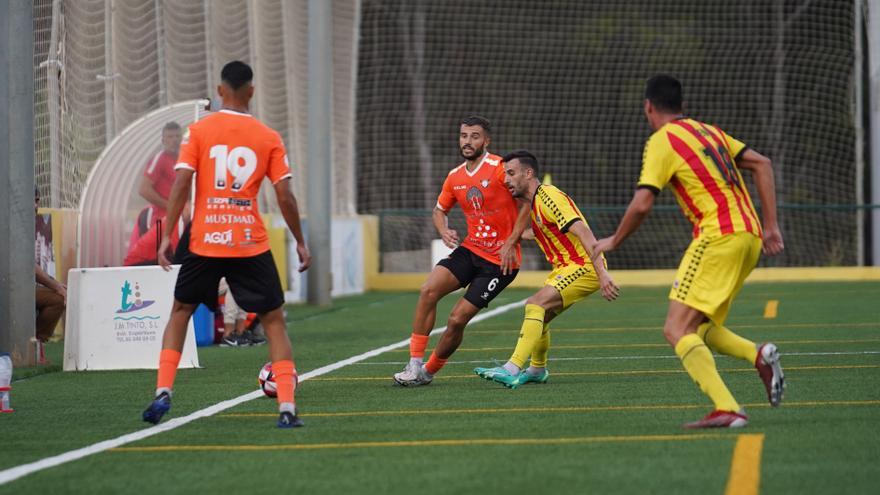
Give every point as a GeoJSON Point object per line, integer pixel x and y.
{"type": "Point", "coordinates": [51, 296]}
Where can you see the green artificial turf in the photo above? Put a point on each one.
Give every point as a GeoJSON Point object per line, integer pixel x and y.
{"type": "Point", "coordinates": [608, 421]}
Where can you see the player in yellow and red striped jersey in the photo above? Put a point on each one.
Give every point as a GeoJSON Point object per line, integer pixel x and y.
{"type": "Point", "coordinates": [565, 237]}
{"type": "Point", "coordinates": [702, 165]}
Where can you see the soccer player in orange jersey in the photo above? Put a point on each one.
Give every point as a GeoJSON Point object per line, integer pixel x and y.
{"type": "Point", "coordinates": [485, 262]}
{"type": "Point", "coordinates": [702, 164]}
{"type": "Point", "coordinates": [230, 152]}
{"type": "Point", "coordinates": [564, 236]}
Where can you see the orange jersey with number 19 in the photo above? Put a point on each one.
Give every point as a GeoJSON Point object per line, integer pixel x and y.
{"type": "Point", "coordinates": [231, 153]}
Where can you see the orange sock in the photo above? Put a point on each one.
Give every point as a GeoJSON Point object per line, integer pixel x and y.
{"type": "Point", "coordinates": [284, 371]}
{"type": "Point", "coordinates": [417, 345]}
{"type": "Point", "coordinates": [434, 364]}
{"type": "Point", "coordinates": [168, 361]}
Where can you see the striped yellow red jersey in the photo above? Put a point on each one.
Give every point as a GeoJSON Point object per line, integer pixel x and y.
{"type": "Point", "coordinates": [699, 161]}
{"type": "Point", "coordinates": [553, 213]}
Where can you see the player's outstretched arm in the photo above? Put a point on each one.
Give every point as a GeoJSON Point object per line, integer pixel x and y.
{"type": "Point", "coordinates": [762, 170]}
{"type": "Point", "coordinates": [636, 212]}
{"type": "Point", "coordinates": [610, 291]}
{"type": "Point", "coordinates": [290, 211]}
{"type": "Point", "coordinates": [441, 223]}
{"type": "Point", "coordinates": [176, 200]}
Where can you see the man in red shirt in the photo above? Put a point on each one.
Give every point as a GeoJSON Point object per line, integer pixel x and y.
{"type": "Point", "coordinates": [231, 152]}
{"type": "Point", "coordinates": [485, 262]}
{"type": "Point", "coordinates": [156, 181]}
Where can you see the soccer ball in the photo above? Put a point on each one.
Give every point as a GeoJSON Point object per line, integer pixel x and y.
{"type": "Point", "coordinates": [266, 379]}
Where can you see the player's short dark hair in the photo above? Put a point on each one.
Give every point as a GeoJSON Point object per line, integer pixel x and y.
{"type": "Point", "coordinates": [477, 120]}
{"type": "Point", "coordinates": [236, 74]}
{"type": "Point", "coordinates": [526, 159]}
{"type": "Point", "coordinates": [664, 92]}
{"type": "Point", "coordinates": [171, 126]}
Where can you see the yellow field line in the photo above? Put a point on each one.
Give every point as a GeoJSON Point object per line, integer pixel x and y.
{"type": "Point", "coordinates": [745, 468]}
{"type": "Point", "coordinates": [771, 309]}
{"type": "Point", "coordinates": [569, 409]}
{"type": "Point", "coordinates": [659, 327]}
{"type": "Point", "coordinates": [429, 443]}
{"type": "Point", "coordinates": [658, 345]}
{"type": "Point", "coordinates": [609, 373]}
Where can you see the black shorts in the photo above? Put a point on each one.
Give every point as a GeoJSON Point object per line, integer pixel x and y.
{"type": "Point", "coordinates": [253, 280]}
{"type": "Point", "coordinates": [482, 278]}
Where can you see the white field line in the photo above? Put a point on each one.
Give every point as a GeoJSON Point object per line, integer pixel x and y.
{"type": "Point", "coordinates": [17, 472]}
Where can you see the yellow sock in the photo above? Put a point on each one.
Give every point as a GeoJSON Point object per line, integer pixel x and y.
{"type": "Point", "coordinates": [721, 339]}
{"type": "Point", "coordinates": [700, 365]}
{"type": "Point", "coordinates": [539, 353]}
{"type": "Point", "coordinates": [529, 334]}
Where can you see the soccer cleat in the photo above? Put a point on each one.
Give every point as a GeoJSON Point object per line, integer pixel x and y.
{"type": "Point", "coordinates": [157, 408]}
{"type": "Point", "coordinates": [721, 419]}
{"type": "Point", "coordinates": [489, 373]}
{"type": "Point", "coordinates": [413, 375]}
{"type": "Point", "coordinates": [235, 340]}
{"type": "Point", "coordinates": [289, 420]}
{"type": "Point", "coordinates": [505, 378]}
{"type": "Point", "coordinates": [498, 374]}
{"type": "Point", "coordinates": [252, 338]}
{"type": "Point", "coordinates": [770, 371]}
{"type": "Point", "coordinates": [541, 377]}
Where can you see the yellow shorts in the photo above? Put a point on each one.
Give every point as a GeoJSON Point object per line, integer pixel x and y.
{"type": "Point", "coordinates": [573, 282]}
{"type": "Point", "coordinates": [712, 273]}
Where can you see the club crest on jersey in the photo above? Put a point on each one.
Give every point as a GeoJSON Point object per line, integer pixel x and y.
{"type": "Point", "coordinates": [475, 197]}
{"type": "Point", "coordinates": [484, 183]}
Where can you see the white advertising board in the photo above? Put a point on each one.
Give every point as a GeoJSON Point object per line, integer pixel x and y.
{"type": "Point", "coordinates": [346, 260]}
{"type": "Point", "coordinates": [116, 317]}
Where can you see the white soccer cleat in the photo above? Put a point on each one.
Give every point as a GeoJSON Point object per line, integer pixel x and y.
{"type": "Point", "coordinates": [770, 371]}
{"type": "Point", "coordinates": [413, 375]}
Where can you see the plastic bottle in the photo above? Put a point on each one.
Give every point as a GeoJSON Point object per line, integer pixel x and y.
{"type": "Point", "coordinates": [5, 381]}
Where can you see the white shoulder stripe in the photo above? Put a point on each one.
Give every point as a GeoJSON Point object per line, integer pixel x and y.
{"type": "Point", "coordinates": [153, 163]}
{"type": "Point", "coordinates": [456, 169]}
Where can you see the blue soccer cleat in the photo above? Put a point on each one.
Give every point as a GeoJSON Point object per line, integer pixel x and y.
{"type": "Point", "coordinates": [289, 420]}
{"type": "Point", "coordinates": [160, 405]}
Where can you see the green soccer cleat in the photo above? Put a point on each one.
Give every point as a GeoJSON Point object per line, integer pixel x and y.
{"type": "Point", "coordinates": [529, 378]}
{"type": "Point", "coordinates": [488, 373]}
{"type": "Point", "coordinates": [504, 377]}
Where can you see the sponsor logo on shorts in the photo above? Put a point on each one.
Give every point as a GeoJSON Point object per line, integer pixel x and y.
{"type": "Point", "coordinates": [228, 218]}
{"type": "Point", "coordinates": [224, 237]}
